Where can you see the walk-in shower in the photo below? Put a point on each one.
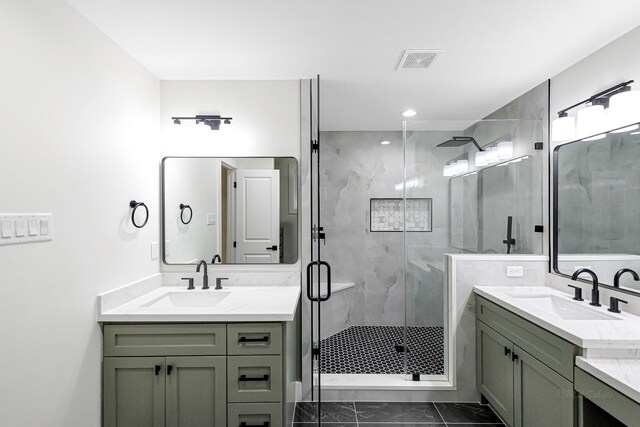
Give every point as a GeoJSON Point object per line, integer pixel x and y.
{"type": "Point", "coordinates": [389, 215]}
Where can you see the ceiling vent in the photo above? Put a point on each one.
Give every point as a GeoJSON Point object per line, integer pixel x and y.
{"type": "Point", "coordinates": [418, 59]}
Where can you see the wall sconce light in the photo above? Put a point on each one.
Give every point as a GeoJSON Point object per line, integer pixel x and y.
{"type": "Point", "coordinates": [213, 121]}
{"type": "Point", "coordinates": [610, 109]}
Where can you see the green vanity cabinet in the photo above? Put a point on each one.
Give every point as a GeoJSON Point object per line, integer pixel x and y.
{"type": "Point", "coordinates": [495, 370]}
{"type": "Point", "coordinates": [601, 405]}
{"type": "Point", "coordinates": [134, 392]}
{"type": "Point", "coordinates": [193, 375]}
{"type": "Point", "coordinates": [524, 371]}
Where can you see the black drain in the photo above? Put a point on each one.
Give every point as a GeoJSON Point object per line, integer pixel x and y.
{"type": "Point", "coordinates": [401, 349]}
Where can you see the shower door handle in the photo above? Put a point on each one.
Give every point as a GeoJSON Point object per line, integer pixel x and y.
{"type": "Point", "coordinates": [309, 292]}
{"type": "Point", "coordinates": [326, 264]}
{"type": "Point", "coordinates": [319, 298]}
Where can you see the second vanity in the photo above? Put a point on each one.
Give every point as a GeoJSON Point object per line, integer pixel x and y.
{"type": "Point", "coordinates": [538, 355]}
{"type": "Point", "coordinates": [178, 357]}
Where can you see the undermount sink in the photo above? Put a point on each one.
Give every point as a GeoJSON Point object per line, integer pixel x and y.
{"type": "Point", "coordinates": [189, 299]}
{"type": "Point", "coordinates": [562, 308]}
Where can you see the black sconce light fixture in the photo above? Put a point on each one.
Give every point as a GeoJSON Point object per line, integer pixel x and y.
{"type": "Point", "coordinates": [590, 120]}
{"type": "Point", "coordinates": [213, 121]}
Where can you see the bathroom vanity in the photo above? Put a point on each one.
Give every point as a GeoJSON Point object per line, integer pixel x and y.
{"type": "Point", "coordinates": [174, 357]}
{"type": "Point", "coordinates": [528, 343]}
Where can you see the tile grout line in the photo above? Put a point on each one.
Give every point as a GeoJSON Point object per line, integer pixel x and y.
{"type": "Point", "coordinates": [438, 411]}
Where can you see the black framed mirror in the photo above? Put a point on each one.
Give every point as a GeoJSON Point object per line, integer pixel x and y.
{"type": "Point", "coordinates": [596, 199]}
{"type": "Point", "coordinates": [232, 210]}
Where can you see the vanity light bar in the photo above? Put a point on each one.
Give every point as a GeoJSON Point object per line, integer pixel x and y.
{"type": "Point", "coordinates": [213, 121]}
{"type": "Point", "coordinates": [621, 105]}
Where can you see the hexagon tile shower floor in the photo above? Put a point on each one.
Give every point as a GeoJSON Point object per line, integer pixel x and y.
{"type": "Point", "coordinates": [371, 350]}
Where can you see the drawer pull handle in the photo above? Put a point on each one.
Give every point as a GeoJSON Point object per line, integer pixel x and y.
{"type": "Point", "coordinates": [507, 351]}
{"type": "Point", "coordinates": [264, 424]}
{"type": "Point", "coordinates": [157, 369]}
{"type": "Point", "coordinates": [246, 378]}
{"type": "Point", "coordinates": [169, 369]}
{"type": "Point", "coordinates": [245, 339]}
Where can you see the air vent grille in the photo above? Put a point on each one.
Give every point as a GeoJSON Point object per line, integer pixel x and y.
{"type": "Point", "coordinates": [418, 59]}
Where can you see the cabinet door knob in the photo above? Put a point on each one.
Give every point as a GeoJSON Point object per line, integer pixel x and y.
{"type": "Point", "coordinates": [507, 351]}
{"type": "Point", "coordinates": [157, 369]}
{"type": "Point", "coordinates": [169, 369]}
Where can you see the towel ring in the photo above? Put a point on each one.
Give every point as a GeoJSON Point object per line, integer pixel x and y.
{"type": "Point", "coordinates": [183, 208]}
{"type": "Point", "coordinates": [135, 205]}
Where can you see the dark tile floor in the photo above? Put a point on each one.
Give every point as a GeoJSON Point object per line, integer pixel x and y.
{"type": "Point", "coordinates": [398, 414]}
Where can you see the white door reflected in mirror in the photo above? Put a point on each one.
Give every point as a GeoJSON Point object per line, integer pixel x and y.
{"type": "Point", "coordinates": [242, 210]}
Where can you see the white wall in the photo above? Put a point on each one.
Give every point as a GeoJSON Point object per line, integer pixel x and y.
{"type": "Point", "coordinates": [266, 122]}
{"type": "Point", "coordinates": [614, 63]}
{"type": "Point", "coordinates": [266, 118]}
{"type": "Point", "coordinates": [78, 138]}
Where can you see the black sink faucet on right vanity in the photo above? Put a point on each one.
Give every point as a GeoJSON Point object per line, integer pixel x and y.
{"type": "Point", "coordinates": [595, 292]}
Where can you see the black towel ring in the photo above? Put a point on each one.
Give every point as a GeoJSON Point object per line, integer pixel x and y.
{"type": "Point", "coordinates": [183, 208]}
{"type": "Point", "coordinates": [135, 205]}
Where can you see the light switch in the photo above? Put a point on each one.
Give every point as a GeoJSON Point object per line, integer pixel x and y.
{"type": "Point", "coordinates": [7, 229]}
{"type": "Point", "coordinates": [211, 219]}
{"type": "Point", "coordinates": [44, 227]}
{"type": "Point", "coordinates": [515, 271]}
{"type": "Point", "coordinates": [21, 228]}
{"type": "Point", "coordinates": [33, 227]}
{"type": "Point", "coordinates": [154, 250]}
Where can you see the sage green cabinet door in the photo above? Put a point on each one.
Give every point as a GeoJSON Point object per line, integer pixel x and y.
{"type": "Point", "coordinates": [134, 390]}
{"type": "Point", "coordinates": [495, 370]}
{"type": "Point", "coordinates": [543, 398]}
{"type": "Point", "coordinates": [196, 391]}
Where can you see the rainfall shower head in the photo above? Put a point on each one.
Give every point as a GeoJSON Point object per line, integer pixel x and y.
{"type": "Point", "coordinates": [459, 141]}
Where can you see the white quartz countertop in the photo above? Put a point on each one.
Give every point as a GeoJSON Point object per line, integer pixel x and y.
{"type": "Point", "coordinates": [617, 331]}
{"type": "Point", "coordinates": [621, 374]}
{"type": "Point", "coordinates": [239, 303]}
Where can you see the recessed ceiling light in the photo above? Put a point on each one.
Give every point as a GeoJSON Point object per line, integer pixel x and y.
{"type": "Point", "coordinates": [385, 142]}
{"type": "Point", "coordinates": [409, 113]}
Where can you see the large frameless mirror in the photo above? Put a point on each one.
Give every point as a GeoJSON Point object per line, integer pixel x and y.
{"type": "Point", "coordinates": [597, 206]}
{"type": "Point", "coordinates": [230, 210]}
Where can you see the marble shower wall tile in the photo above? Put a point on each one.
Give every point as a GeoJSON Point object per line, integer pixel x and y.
{"type": "Point", "coordinates": [467, 271]}
{"type": "Point", "coordinates": [355, 168]}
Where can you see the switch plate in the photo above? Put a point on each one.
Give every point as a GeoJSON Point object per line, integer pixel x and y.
{"type": "Point", "coordinates": [7, 229]}
{"type": "Point", "coordinates": [515, 271]}
{"type": "Point", "coordinates": [25, 228]}
{"type": "Point", "coordinates": [154, 250]}
{"type": "Point", "coordinates": [21, 228]}
{"type": "Point", "coordinates": [33, 227]}
{"type": "Point", "coordinates": [211, 219]}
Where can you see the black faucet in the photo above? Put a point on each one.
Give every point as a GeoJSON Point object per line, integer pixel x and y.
{"type": "Point", "coordinates": [219, 282]}
{"type": "Point", "coordinates": [595, 293]}
{"type": "Point", "coordinates": [616, 278]}
{"type": "Point", "coordinates": [216, 257]}
{"type": "Point", "coordinates": [205, 278]}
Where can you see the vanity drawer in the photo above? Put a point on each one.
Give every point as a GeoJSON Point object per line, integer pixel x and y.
{"type": "Point", "coordinates": [548, 348]}
{"type": "Point", "coordinates": [165, 340]}
{"type": "Point", "coordinates": [254, 414]}
{"type": "Point", "coordinates": [254, 378]}
{"type": "Point", "coordinates": [254, 338]}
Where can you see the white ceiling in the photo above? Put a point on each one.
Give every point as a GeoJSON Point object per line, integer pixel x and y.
{"type": "Point", "coordinates": [495, 49]}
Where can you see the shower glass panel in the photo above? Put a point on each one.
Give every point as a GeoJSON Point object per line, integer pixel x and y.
{"type": "Point", "coordinates": [390, 216]}
{"type": "Point", "coordinates": [490, 208]}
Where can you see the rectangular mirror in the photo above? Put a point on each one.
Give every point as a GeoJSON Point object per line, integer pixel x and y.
{"type": "Point", "coordinates": [597, 206]}
{"type": "Point", "coordinates": [241, 210]}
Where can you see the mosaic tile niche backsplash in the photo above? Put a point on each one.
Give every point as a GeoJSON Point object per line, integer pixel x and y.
{"type": "Point", "coordinates": [387, 214]}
